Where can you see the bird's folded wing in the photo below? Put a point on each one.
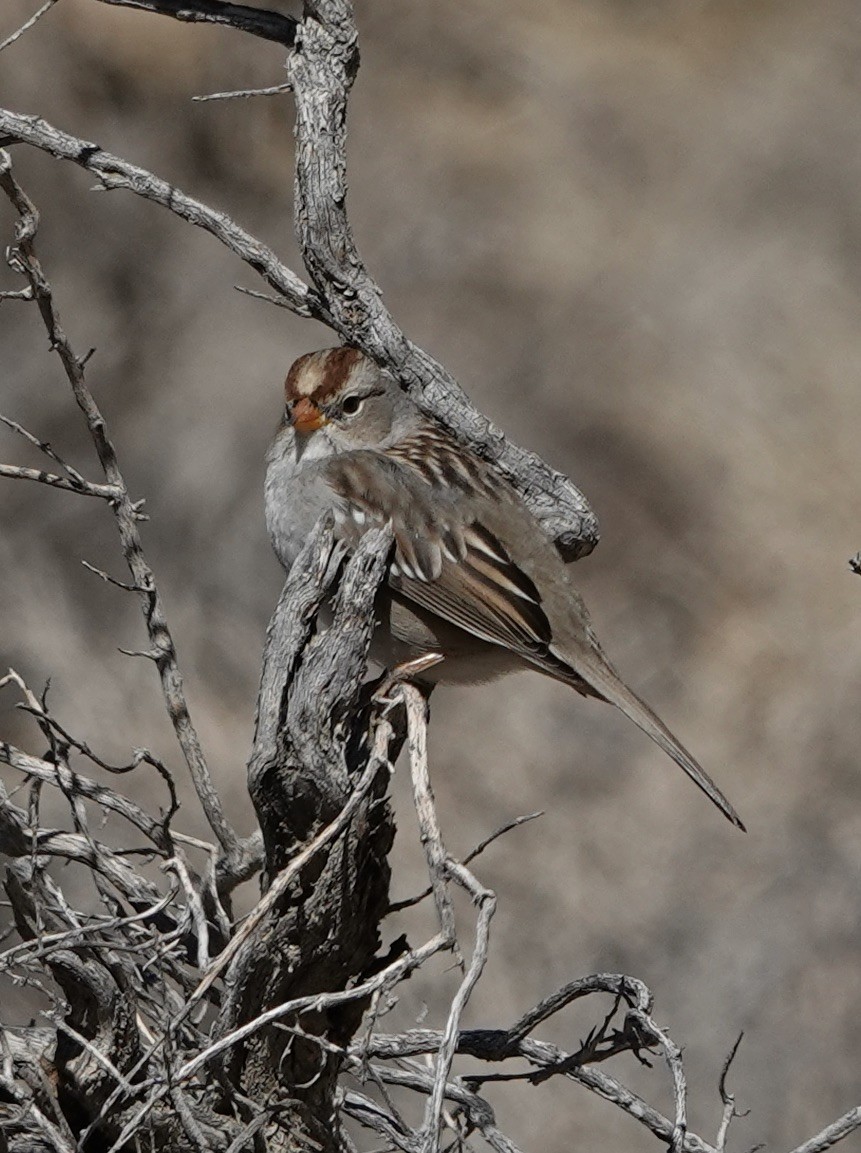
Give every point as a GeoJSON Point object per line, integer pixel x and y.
{"type": "Point", "coordinates": [483, 592]}
{"type": "Point", "coordinates": [445, 559]}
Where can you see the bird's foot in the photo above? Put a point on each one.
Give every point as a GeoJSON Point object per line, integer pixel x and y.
{"type": "Point", "coordinates": [406, 671]}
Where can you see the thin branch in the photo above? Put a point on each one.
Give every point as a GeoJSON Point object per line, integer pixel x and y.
{"type": "Point", "coordinates": [83, 488]}
{"type": "Point", "coordinates": [442, 868]}
{"type": "Point", "coordinates": [486, 901]}
{"type": "Point", "coordinates": [635, 992]}
{"type": "Point", "coordinates": [27, 24]}
{"type": "Point", "coordinates": [430, 833]}
{"type": "Point", "coordinates": [256, 21]}
{"type": "Point", "coordinates": [514, 823]}
{"type": "Point", "coordinates": [673, 1057]}
{"type": "Point", "coordinates": [727, 1098]}
{"type": "Point", "coordinates": [23, 258]}
{"type": "Point", "coordinates": [42, 445]}
{"type": "Point", "coordinates": [108, 579]}
{"type": "Point", "coordinates": [114, 172]}
{"type": "Point", "coordinates": [179, 868]}
{"type": "Point", "coordinates": [279, 301]}
{"type": "Point", "coordinates": [243, 94]}
{"type": "Point", "coordinates": [832, 1133]}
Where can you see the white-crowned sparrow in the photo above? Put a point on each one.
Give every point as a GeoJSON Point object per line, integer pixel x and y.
{"type": "Point", "coordinates": [476, 589]}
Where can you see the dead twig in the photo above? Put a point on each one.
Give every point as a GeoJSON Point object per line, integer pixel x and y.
{"type": "Point", "coordinates": [37, 15]}
{"type": "Point", "coordinates": [23, 259]}
{"type": "Point", "coordinates": [260, 22]}
{"type": "Point", "coordinates": [832, 1133]}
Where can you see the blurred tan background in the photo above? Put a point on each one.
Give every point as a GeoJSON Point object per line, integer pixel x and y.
{"type": "Point", "coordinates": [632, 229]}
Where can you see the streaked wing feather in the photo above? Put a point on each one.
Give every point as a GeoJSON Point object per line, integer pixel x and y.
{"type": "Point", "coordinates": [454, 567]}
{"type": "Point", "coordinates": [486, 594]}
{"type": "Point", "coordinates": [473, 601]}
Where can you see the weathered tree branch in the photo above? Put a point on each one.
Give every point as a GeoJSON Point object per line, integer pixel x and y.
{"type": "Point", "coordinates": [113, 172]}
{"type": "Point", "coordinates": [256, 21]}
{"type": "Point", "coordinates": [325, 924]}
{"type": "Point", "coordinates": [27, 25]}
{"type": "Point", "coordinates": [22, 258]}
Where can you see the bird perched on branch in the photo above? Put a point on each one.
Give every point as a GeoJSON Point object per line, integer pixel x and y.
{"type": "Point", "coordinates": [475, 587]}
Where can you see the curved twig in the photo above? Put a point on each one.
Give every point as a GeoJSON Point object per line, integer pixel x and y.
{"type": "Point", "coordinates": [23, 258]}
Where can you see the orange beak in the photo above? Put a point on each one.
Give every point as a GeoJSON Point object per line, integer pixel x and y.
{"type": "Point", "coordinates": [307, 417]}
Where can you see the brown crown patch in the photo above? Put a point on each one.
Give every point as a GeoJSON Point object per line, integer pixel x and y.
{"type": "Point", "coordinates": [319, 375]}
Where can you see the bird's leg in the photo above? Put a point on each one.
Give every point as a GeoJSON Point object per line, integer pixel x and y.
{"type": "Point", "coordinates": [407, 671]}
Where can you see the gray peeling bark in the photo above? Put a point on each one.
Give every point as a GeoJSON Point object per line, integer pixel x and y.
{"type": "Point", "coordinates": [314, 738]}
{"type": "Point", "coordinates": [319, 774]}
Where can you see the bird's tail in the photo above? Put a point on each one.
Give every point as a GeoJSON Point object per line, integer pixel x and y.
{"type": "Point", "coordinates": [606, 683]}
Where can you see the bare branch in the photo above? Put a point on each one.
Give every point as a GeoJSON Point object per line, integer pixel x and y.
{"type": "Point", "coordinates": [126, 511]}
{"type": "Point", "coordinates": [85, 488]}
{"type": "Point", "coordinates": [514, 823]}
{"type": "Point", "coordinates": [634, 992]}
{"type": "Point", "coordinates": [27, 24]}
{"type": "Point", "coordinates": [243, 94]}
{"type": "Point", "coordinates": [107, 799]}
{"type": "Point", "coordinates": [256, 21]}
{"type": "Point", "coordinates": [486, 901]}
{"type": "Point", "coordinates": [114, 172]}
{"type": "Point", "coordinates": [673, 1057]}
{"type": "Point", "coordinates": [431, 836]}
{"type": "Point", "coordinates": [832, 1133]}
{"type": "Point", "coordinates": [727, 1098]}
{"type": "Point", "coordinates": [42, 445]}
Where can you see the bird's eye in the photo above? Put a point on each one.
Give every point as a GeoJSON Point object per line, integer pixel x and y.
{"type": "Point", "coordinates": [351, 405]}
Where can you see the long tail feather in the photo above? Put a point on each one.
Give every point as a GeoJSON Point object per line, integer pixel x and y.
{"type": "Point", "coordinates": [607, 684]}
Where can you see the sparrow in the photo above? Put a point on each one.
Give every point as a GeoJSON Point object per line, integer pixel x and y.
{"type": "Point", "coordinates": [475, 587]}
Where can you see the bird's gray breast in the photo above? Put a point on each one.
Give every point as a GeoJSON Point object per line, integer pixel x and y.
{"type": "Point", "coordinates": [295, 493]}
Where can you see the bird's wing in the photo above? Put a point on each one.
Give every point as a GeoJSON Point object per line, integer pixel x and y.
{"type": "Point", "coordinates": [449, 561]}
{"type": "Point", "coordinates": [446, 559]}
